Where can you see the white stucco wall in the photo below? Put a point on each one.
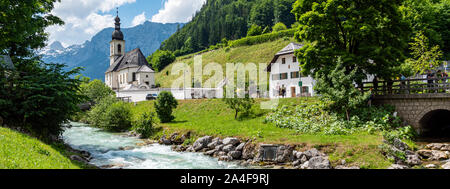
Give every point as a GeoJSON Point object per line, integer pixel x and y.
{"type": "Point", "coordinates": [179, 94]}
{"type": "Point", "coordinates": [289, 67]}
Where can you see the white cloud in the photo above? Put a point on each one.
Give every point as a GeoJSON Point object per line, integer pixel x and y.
{"type": "Point", "coordinates": [139, 19]}
{"type": "Point", "coordinates": [82, 19]}
{"type": "Point", "coordinates": [178, 11]}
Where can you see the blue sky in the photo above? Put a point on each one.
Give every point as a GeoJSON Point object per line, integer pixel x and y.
{"type": "Point", "coordinates": [84, 18]}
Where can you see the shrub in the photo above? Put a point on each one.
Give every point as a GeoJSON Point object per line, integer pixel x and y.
{"type": "Point", "coordinates": [315, 118]}
{"type": "Point", "coordinates": [279, 27]}
{"type": "Point", "coordinates": [164, 105]}
{"type": "Point", "coordinates": [160, 59]}
{"type": "Point", "coordinates": [118, 117]}
{"type": "Point", "coordinates": [111, 114]}
{"type": "Point", "coordinates": [254, 30]}
{"type": "Point", "coordinates": [95, 90]}
{"type": "Point", "coordinates": [144, 125]}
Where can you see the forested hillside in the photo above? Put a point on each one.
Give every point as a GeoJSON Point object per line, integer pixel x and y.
{"type": "Point", "coordinates": [230, 19]}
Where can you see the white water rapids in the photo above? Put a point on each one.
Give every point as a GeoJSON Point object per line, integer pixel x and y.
{"type": "Point", "coordinates": [105, 150]}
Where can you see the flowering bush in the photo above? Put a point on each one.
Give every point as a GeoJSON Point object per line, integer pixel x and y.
{"type": "Point", "coordinates": [314, 118]}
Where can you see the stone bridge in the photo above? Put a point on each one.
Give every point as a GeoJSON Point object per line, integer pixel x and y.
{"type": "Point", "coordinates": [428, 113]}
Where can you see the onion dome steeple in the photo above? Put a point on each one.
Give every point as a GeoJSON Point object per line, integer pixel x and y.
{"type": "Point", "coordinates": [117, 34]}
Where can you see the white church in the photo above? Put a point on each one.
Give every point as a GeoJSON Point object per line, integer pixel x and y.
{"type": "Point", "coordinates": [128, 70]}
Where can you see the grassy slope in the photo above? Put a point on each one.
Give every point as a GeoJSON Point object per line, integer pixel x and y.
{"type": "Point", "coordinates": [212, 117]}
{"type": "Point", "coordinates": [20, 151]}
{"type": "Point", "coordinates": [261, 53]}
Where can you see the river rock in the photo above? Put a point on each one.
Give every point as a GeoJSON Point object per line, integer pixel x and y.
{"type": "Point", "coordinates": [397, 166]}
{"type": "Point", "coordinates": [165, 141]}
{"type": "Point", "coordinates": [126, 148]}
{"type": "Point", "coordinates": [431, 166]}
{"type": "Point", "coordinates": [248, 151]}
{"type": "Point", "coordinates": [220, 154]}
{"type": "Point", "coordinates": [215, 142]}
{"type": "Point", "coordinates": [219, 147]}
{"type": "Point", "coordinates": [446, 166]}
{"type": "Point", "coordinates": [434, 146]}
{"type": "Point", "coordinates": [186, 136]}
{"type": "Point", "coordinates": [313, 153]}
{"type": "Point", "coordinates": [173, 137]}
{"type": "Point", "coordinates": [438, 155]}
{"type": "Point", "coordinates": [298, 155]}
{"type": "Point", "coordinates": [296, 163]}
{"type": "Point", "coordinates": [225, 158]}
{"type": "Point", "coordinates": [78, 158]}
{"type": "Point", "coordinates": [425, 154]}
{"type": "Point", "coordinates": [305, 165]}
{"type": "Point", "coordinates": [319, 162]}
{"type": "Point", "coordinates": [202, 142]}
{"type": "Point", "coordinates": [400, 145]}
{"type": "Point", "coordinates": [240, 147]}
{"type": "Point", "coordinates": [85, 154]}
{"type": "Point", "coordinates": [232, 141]}
{"type": "Point", "coordinates": [445, 147]}
{"type": "Point", "coordinates": [235, 154]}
{"type": "Point", "coordinates": [210, 152]}
{"type": "Point", "coordinates": [413, 160]}
{"type": "Point", "coordinates": [190, 149]}
{"type": "Point", "coordinates": [229, 148]}
{"type": "Point", "coordinates": [303, 159]}
{"type": "Point", "coordinates": [179, 148]}
{"type": "Point", "coordinates": [284, 154]}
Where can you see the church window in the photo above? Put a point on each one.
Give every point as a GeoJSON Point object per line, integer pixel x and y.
{"type": "Point", "coordinates": [134, 76]}
{"type": "Point", "coordinates": [119, 48]}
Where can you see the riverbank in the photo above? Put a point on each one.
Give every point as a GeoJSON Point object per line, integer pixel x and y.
{"type": "Point", "coordinates": [21, 151]}
{"type": "Point", "coordinates": [213, 118]}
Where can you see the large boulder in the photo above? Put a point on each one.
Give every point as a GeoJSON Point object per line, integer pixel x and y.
{"type": "Point", "coordinates": [413, 160]}
{"type": "Point", "coordinates": [228, 148]}
{"type": "Point", "coordinates": [235, 154]}
{"type": "Point", "coordinates": [210, 152]}
{"type": "Point", "coordinates": [284, 154]}
{"type": "Point", "coordinates": [202, 143]}
{"type": "Point", "coordinates": [434, 146]}
{"type": "Point", "coordinates": [445, 147]}
{"type": "Point", "coordinates": [399, 144]}
{"type": "Point", "coordinates": [433, 155]}
{"type": "Point", "coordinates": [232, 141]}
{"type": "Point", "coordinates": [215, 142]}
{"type": "Point", "coordinates": [248, 151]}
{"type": "Point", "coordinates": [313, 153]}
{"type": "Point", "coordinates": [319, 162]}
{"type": "Point", "coordinates": [165, 141]}
{"type": "Point", "coordinates": [240, 147]}
{"type": "Point", "coordinates": [219, 147]}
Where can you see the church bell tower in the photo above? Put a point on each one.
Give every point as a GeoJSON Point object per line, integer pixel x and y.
{"type": "Point", "coordinates": [117, 44]}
